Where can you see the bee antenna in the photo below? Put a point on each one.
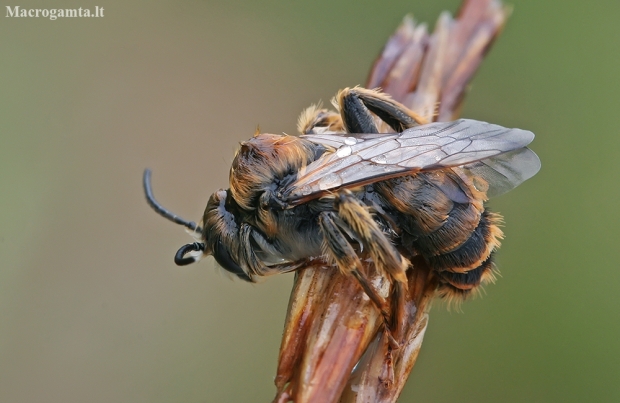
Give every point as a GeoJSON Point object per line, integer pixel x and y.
{"type": "Point", "coordinates": [180, 258]}
{"type": "Point", "coordinates": [161, 210]}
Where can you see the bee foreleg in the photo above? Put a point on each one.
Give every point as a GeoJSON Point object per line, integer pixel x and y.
{"type": "Point", "coordinates": [248, 255]}
{"type": "Point", "coordinates": [355, 104]}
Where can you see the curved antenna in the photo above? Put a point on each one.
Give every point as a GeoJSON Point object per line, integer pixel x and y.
{"type": "Point", "coordinates": [161, 210]}
{"type": "Point", "coordinates": [180, 258]}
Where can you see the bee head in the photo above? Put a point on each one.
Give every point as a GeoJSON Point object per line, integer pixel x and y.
{"type": "Point", "coordinates": [220, 232]}
{"type": "Point", "coordinates": [215, 237]}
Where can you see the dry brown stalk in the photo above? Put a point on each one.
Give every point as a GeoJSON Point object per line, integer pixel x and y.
{"type": "Point", "coordinates": [333, 349]}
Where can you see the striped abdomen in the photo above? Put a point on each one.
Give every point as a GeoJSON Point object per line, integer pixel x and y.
{"type": "Point", "coordinates": [442, 218]}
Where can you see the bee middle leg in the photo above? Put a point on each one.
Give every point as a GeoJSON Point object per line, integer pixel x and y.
{"type": "Point", "coordinates": [345, 256]}
{"type": "Point", "coordinates": [357, 103]}
{"type": "Point", "coordinates": [385, 256]}
{"type": "Point", "coordinates": [353, 217]}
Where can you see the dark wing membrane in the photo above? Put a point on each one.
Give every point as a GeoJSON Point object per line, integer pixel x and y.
{"type": "Point", "coordinates": [505, 171]}
{"type": "Point", "coordinates": [367, 158]}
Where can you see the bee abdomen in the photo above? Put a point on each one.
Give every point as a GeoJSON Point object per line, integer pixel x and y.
{"type": "Point", "coordinates": [421, 208]}
{"type": "Point", "coordinates": [455, 286]}
{"type": "Point", "coordinates": [433, 223]}
{"type": "Point", "coordinates": [456, 230]}
{"type": "Point", "coordinates": [470, 279]}
{"type": "Point", "coordinates": [472, 253]}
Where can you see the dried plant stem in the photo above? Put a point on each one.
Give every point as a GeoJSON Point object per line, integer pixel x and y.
{"type": "Point", "coordinates": [333, 349]}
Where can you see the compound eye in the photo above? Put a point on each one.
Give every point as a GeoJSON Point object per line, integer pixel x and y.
{"type": "Point", "coordinates": [221, 255]}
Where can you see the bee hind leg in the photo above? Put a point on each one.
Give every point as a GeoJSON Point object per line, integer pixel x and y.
{"type": "Point", "coordinates": [356, 104]}
{"type": "Point", "coordinates": [314, 120]}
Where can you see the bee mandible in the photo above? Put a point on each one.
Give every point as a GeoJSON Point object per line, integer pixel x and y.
{"type": "Point", "coordinates": [372, 180]}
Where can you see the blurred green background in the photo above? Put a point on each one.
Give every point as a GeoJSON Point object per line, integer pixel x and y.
{"type": "Point", "coordinates": [92, 308]}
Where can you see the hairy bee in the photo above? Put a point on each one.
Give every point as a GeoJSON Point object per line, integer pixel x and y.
{"type": "Point", "coordinates": [372, 181]}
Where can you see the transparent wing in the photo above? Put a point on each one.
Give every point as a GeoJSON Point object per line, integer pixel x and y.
{"type": "Point", "coordinates": [366, 158]}
{"type": "Point", "coordinates": [505, 171]}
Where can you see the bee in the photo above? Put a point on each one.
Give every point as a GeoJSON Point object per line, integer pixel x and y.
{"type": "Point", "coordinates": [372, 180]}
